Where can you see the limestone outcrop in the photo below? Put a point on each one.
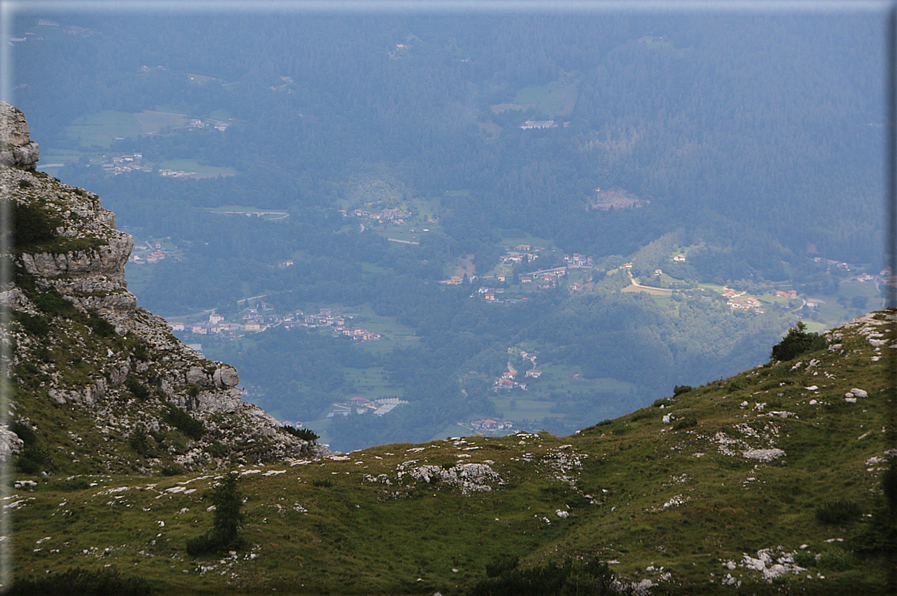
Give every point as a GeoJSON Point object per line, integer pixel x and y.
{"type": "Point", "coordinates": [16, 147]}
{"type": "Point", "coordinates": [82, 343]}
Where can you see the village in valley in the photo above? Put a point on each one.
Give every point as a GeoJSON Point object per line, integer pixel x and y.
{"type": "Point", "coordinates": [261, 316]}
{"type": "Point", "coordinates": [523, 392]}
{"type": "Point", "coordinates": [513, 279]}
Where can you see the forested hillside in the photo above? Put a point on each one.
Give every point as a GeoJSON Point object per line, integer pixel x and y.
{"type": "Point", "coordinates": [383, 154]}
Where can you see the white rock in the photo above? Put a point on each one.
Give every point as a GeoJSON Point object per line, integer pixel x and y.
{"type": "Point", "coordinates": [763, 454]}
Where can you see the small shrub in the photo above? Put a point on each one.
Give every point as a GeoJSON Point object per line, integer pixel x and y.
{"type": "Point", "coordinates": [24, 432]}
{"type": "Point", "coordinates": [573, 576]}
{"type": "Point", "coordinates": [838, 512]}
{"type": "Point", "coordinates": [227, 521]}
{"type": "Point", "coordinates": [805, 558]}
{"type": "Point", "coordinates": [687, 422]}
{"type": "Point", "coordinates": [303, 433]}
{"type": "Point", "coordinates": [31, 225]}
{"type": "Point", "coordinates": [193, 390]}
{"type": "Point", "coordinates": [797, 342]}
{"type": "Point", "coordinates": [100, 326]}
{"type": "Point", "coordinates": [140, 353]}
{"type": "Point", "coordinates": [184, 422]}
{"type": "Point", "coordinates": [641, 415]}
{"type": "Point", "coordinates": [660, 402]}
{"type": "Point", "coordinates": [889, 485]}
{"type": "Point", "coordinates": [496, 447]}
{"type": "Point", "coordinates": [53, 304]}
{"type": "Point", "coordinates": [24, 184]}
{"type": "Point", "coordinates": [501, 564]}
{"type": "Point", "coordinates": [836, 560]}
{"type": "Point", "coordinates": [32, 324]}
{"type": "Point", "coordinates": [620, 428]}
{"type": "Point", "coordinates": [680, 389]}
{"type": "Point", "coordinates": [33, 460]}
{"type": "Point", "coordinates": [137, 389]}
{"type": "Point", "coordinates": [172, 470]}
{"type": "Point", "coordinates": [139, 440]}
{"type": "Point", "coordinates": [322, 483]}
{"type": "Point", "coordinates": [73, 484]}
{"type": "Point", "coordinates": [216, 449]}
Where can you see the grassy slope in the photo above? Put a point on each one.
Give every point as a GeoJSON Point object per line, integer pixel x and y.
{"type": "Point", "coordinates": [333, 526]}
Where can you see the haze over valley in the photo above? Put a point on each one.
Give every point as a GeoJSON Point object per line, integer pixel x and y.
{"type": "Point", "coordinates": [402, 227]}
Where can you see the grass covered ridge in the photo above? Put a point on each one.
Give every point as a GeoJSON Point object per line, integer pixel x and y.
{"type": "Point", "coordinates": [772, 463]}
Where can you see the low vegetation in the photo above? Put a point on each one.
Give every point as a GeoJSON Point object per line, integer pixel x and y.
{"type": "Point", "coordinates": [796, 343]}
{"type": "Point", "coordinates": [774, 463]}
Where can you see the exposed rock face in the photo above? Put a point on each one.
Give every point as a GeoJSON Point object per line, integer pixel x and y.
{"type": "Point", "coordinates": [82, 343]}
{"type": "Point", "coordinates": [92, 277]}
{"type": "Point", "coordinates": [16, 147]}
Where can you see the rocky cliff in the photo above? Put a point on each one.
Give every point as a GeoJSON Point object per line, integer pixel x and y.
{"type": "Point", "coordinates": [91, 369]}
{"type": "Point", "coordinates": [16, 147]}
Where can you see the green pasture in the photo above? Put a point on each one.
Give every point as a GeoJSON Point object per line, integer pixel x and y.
{"type": "Point", "coordinates": [387, 326]}
{"type": "Point", "coordinates": [552, 99]}
{"type": "Point", "coordinates": [200, 170]}
{"type": "Point", "coordinates": [518, 405]}
{"type": "Point", "coordinates": [152, 122]}
{"type": "Point", "coordinates": [371, 383]}
{"type": "Point", "coordinates": [102, 128]}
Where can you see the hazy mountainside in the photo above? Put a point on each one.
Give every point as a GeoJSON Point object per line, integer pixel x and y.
{"type": "Point", "coordinates": [99, 383]}
{"type": "Point", "coordinates": [767, 482]}
{"type": "Point", "coordinates": [352, 163]}
{"type": "Point", "coordinates": [778, 479]}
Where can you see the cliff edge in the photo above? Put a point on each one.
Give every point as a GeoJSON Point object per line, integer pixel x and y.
{"type": "Point", "coordinates": [100, 383]}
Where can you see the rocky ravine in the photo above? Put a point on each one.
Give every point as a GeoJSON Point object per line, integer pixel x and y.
{"type": "Point", "coordinates": [82, 344]}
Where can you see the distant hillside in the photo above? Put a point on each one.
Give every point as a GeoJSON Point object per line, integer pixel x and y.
{"type": "Point", "coordinates": [766, 482]}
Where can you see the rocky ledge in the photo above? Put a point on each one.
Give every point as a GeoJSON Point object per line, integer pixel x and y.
{"type": "Point", "coordinates": [82, 345]}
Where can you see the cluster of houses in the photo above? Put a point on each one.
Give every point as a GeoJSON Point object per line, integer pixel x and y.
{"type": "Point", "coordinates": [749, 303]}
{"type": "Point", "coordinates": [152, 253]}
{"type": "Point", "coordinates": [536, 124]}
{"type": "Point", "coordinates": [255, 321]}
{"type": "Point", "coordinates": [394, 215]}
{"type": "Point", "coordinates": [546, 278]}
{"type": "Point", "coordinates": [122, 164]}
{"type": "Point", "coordinates": [492, 425]}
{"type": "Point", "coordinates": [196, 123]}
{"type": "Point", "coordinates": [363, 405]}
{"type": "Point", "coordinates": [169, 173]}
{"type": "Point", "coordinates": [457, 280]}
{"type": "Point", "coordinates": [524, 253]}
{"type": "Point", "coordinates": [578, 260]}
{"type": "Point", "coordinates": [736, 302]}
{"type": "Point", "coordinates": [507, 379]}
